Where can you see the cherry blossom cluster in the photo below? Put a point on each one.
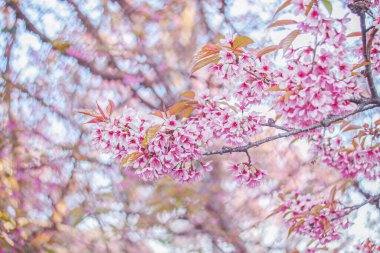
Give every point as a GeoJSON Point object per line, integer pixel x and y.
{"type": "Point", "coordinates": [247, 174]}
{"type": "Point", "coordinates": [217, 119]}
{"type": "Point", "coordinates": [351, 162]}
{"type": "Point", "coordinates": [320, 220]}
{"type": "Point", "coordinates": [368, 246]}
{"type": "Point", "coordinates": [153, 150]}
{"type": "Point", "coordinates": [318, 80]}
{"type": "Point", "coordinates": [230, 68]}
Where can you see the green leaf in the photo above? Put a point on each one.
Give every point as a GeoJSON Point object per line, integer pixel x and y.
{"type": "Point", "coordinates": [328, 5]}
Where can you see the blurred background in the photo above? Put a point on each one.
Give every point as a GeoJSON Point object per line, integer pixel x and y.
{"type": "Point", "coordinates": [58, 194]}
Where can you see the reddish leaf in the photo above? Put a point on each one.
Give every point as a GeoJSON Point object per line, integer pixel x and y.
{"type": "Point", "coordinates": [241, 41]}
{"type": "Point", "coordinates": [288, 40]}
{"type": "Point", "coordinates": [295, 227]}
{"type": "Point", "coordinates": [266, 50]}
{"type": "Point", "coordinates": [310, 6]}
{"type": "Point", "coordinates": [100, 110]}
{"type": "Point", "coordinates": [110, 108]}
{"type": "Point", "coordinates": [177, 108]}
{"type": "Point", "coordinates": [354, 34]}
{"type": "Point", "coordinates": [344, 124]}
{"type": "Point", "coordinates": [332, 194]}
{"type": "Point", "coordinates": [316, 209]}
{"type": "Point", "coordinates": [355, 144]}
{"type": "Point", "coordinates": [202, 63]}
{"type": "Point", "coordinates": [362, 143]}
{"type": "Point", "coordinates": [230, 106]}
{"type": "Point", "coordinates": [131, 158]}
{"type": "Point", "coordinates": [326, 225]}
{"type": "Point", "coordinates": [352, 127]}
{"type": "Point", "coordinates": [275, 211]}
{"type": "Point", "coordinates": [275, 88]}
{"type": "Point", "coordinates": [206, 51]}
{"type": "Point", "coordinates": [188, 94]}
{"type": "Point", "coordinates": [360, 65]}
{"type": "Point", "coordinates": [89, 113]}
{"type": "Point", "coordinates": [346, 150]}
{"type": "Point", "coordinates": [187, 112]}
{"type": "Point", "coordinates": [158, 114]}
{"type": "Point", "coordinates": [294, 140]}
{"type": "Point", "coordinates": [95, 120]}
{"type": "Point", "coordinates": [282, 23]}
{"type": "Point", "coordinates": [283, 6]}
{"type": "Point", "coordinates": [150, 133]}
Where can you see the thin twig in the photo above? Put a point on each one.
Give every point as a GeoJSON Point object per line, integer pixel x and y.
{"type": "Point", "coordinates": [371, 200]}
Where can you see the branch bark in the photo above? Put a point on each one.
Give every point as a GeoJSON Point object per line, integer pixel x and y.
{"type": "Point", "coordinates": [367, 58]}
{"type": "Point", "coordinates": [371, 200]}
{"type": "Point", "coordinates": [324, 123]}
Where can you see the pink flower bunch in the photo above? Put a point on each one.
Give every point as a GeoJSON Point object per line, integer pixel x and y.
{"type": "Point", "coordinates": [230, 67]}
{"type": "Point", "coordinates": [368, 246]}
{"type": "Point", "coordinates": [247, 174]}
{"type": "Point", "coordinates": [216, 119]}
{"type": "Point", "coordinates": [318, 220]}
{"type": "Point", "coordinates": [167, 148]}
{"type": "Point", "coordinates": [316, 82]}
{"type": "Point", "coordinates": [352, 162]}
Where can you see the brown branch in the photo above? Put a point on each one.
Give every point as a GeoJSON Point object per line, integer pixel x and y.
{"type": "Point", "coordinates": [368, 68]}
{"type": "Point", "coordinates": [371, 200]}
{"type": "Point", "coordinates": [272, 124]}
{"type": "Point", "coordinates": [324, 123]}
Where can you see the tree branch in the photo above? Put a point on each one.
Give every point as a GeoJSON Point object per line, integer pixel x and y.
{"type": "Point", "coordinates": [370, 200]}
{"type": "Point", "coordinates": [324, 123]}
{"type": "Point", "coordinates": [368, 68]}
